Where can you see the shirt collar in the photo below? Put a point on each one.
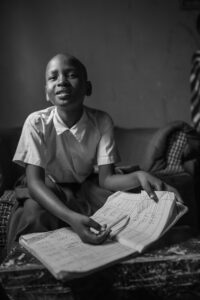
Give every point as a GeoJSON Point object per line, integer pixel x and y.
{"type": "Point", "coordinates": [77, 130]}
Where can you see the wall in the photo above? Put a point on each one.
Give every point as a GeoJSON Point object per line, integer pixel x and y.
{"type": "Point", "coordinates": [137, 52]}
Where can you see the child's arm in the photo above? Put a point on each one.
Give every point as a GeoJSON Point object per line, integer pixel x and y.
{"type": "Point", "coordinates": [114, 182]}
{"type": "Point", "coordinates": [45, 197]}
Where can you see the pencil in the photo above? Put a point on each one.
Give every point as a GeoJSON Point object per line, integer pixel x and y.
{"type": "Point", "coordinates": [116, 222]}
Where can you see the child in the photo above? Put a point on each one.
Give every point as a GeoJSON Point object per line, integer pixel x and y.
{"type": "Point", "coordinates": [59, 147]}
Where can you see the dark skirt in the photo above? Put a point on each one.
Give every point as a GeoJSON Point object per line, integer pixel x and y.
{"type": "Point", "coordinates": [28, 216]}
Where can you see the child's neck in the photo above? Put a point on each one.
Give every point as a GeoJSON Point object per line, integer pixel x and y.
{"type": "Point", "coordinates": [70, 117]}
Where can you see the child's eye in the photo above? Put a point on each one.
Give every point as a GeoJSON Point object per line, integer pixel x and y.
{"type": "Point", "coordinates": [72, 75]}
{"type": "Point", "coordinates": [52, 77]}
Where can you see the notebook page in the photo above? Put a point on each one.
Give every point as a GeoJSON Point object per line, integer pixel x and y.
{"type": "Point", "coordinates": [65, 256]}
{"type": "Point", "coordinates": [148, 225]}
{"type": "Point", "coordinates": [147, 217]}
{"type": "Point", "coordinates": [118, 205]}
{"type": "Point", "coordinates": [154, 222]}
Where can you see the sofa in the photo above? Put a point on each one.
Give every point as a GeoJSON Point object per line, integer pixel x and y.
{"type": "Point", "coordinates": [139, 148]}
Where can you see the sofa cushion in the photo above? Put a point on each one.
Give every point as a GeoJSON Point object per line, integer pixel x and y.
{"type": "Point", "coordinates": [176, 143]}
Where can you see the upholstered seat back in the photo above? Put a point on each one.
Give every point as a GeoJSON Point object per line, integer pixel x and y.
{"type": "Point", "coordinates": [131, 144]}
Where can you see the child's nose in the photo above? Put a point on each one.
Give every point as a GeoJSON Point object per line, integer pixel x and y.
{"type": "Point", "coordinates": [62, 80]}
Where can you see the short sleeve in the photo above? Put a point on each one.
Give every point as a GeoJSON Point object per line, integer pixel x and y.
{"type": "Point", "coordinates": [107, 152]}
{"type": "Point", "coordinates": [30, 148]}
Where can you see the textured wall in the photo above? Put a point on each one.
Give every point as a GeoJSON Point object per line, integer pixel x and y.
{"type": "Point", "coordinates": [137, 52]}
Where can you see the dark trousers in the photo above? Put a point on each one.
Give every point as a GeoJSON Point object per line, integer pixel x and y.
{"type": "Point", "coordinates": [28, 216]}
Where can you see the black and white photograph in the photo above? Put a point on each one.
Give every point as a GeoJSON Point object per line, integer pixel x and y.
{"type": "Point", "coordinates": [100, 150]}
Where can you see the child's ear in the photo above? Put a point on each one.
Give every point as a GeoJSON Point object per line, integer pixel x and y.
{"type": "Point", "coordinates": [47, 96]}
{"type": "Point", "coordinates": [89, 89]}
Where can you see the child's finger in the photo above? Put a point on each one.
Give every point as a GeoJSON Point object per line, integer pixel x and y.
{"type": "Point", "coordinates": [92, 237]}
{"type": "Point", "coordinates": [100, 237]}
{"type": "Point", "coordinates": [153, 196]}
{"type": "Point", "coordinates": [96, 228]}
{"type": "Point", "coordinates": [150, 192]}
{"type": "Point", "coordinates": [103, 227]}
{"type": "Point", "coordinates": [94, 224]}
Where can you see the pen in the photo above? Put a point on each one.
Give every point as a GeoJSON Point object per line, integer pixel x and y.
{"type": "Point", "coordinates": [116, 222]}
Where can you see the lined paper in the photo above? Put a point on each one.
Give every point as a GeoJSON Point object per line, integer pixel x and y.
{"type": "Point", "coordinates": [66, 256]}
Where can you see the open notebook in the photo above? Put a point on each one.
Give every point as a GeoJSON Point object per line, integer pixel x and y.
{"type": "Point", "coordinates": [66, 256]}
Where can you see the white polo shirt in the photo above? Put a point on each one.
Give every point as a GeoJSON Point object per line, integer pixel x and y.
{"type": "Point", "coordinates": [67, 154]}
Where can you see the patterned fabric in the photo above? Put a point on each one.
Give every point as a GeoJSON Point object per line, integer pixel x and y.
{"type": "Point", "coordinates": [157, 151]}
{"type": "Point", "coordinates": [174, 152]}
{"type": "Point", "coordinates": [7, 201]}
{"type": "Point", "coordinates": [195, 90]}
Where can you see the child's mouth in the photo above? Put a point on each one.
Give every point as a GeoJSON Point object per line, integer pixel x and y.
{"type": "Point", "coordinates": [63, 94]}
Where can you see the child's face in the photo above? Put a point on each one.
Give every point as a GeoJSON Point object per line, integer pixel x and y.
{"type": "Point", "coordinates": [66, 83]}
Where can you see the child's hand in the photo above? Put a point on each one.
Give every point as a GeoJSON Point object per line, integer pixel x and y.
{"type": "Point", "coordinates": [151, 184]}
{"type": "Point", "coordinates": [82, 226]}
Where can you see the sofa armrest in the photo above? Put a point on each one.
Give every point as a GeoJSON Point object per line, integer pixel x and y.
{"type": "Point", "coordinates": [9, 171]}
{"type": "Point", "coordinates": [185, 185]}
